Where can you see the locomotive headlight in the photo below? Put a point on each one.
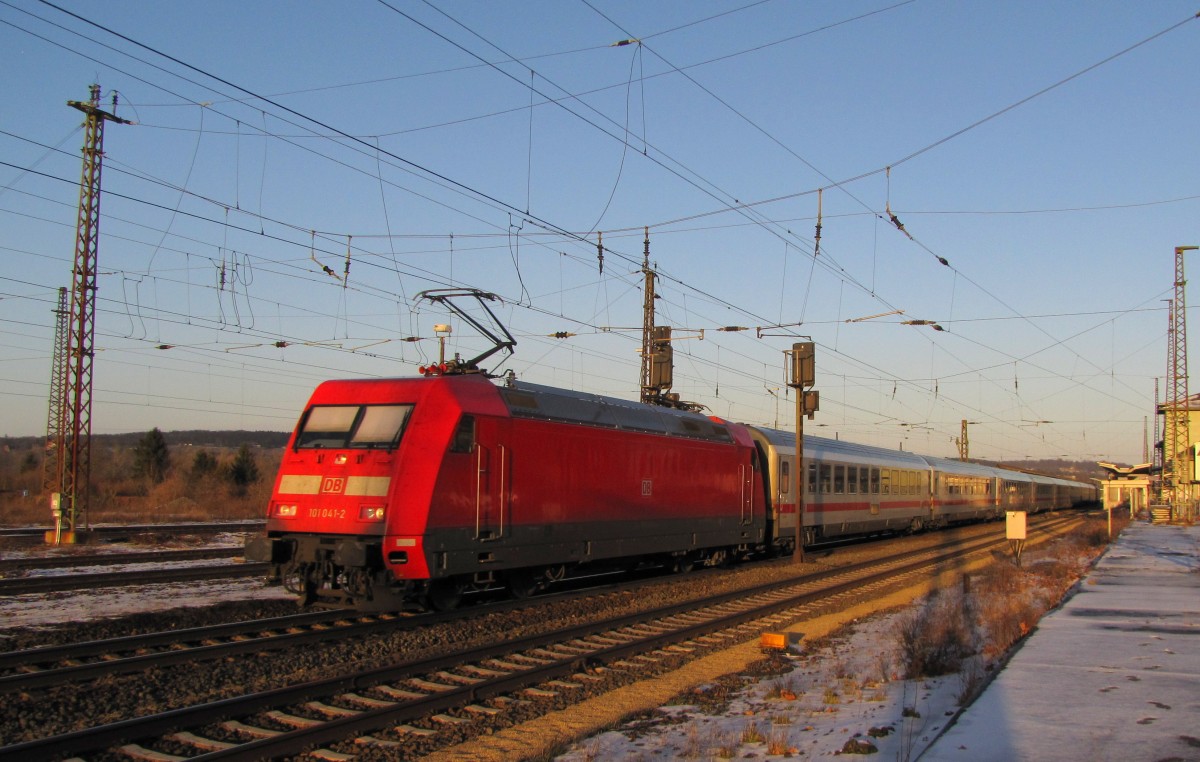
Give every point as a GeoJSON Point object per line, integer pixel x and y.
{"type": "Point", "coordinates": [285, 511]}
{"type": "Point", "coordinates": [370, 513]}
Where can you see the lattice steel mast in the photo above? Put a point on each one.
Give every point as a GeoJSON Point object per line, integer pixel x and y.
{"type": "Point", "coordinates": [1177, 440]}
{"type": "Point", "coordinates": [75, 453]}
{"type": "Point", "coordinates": [52, 461]}
{"type": "Point", "coordinates": [649, 392]}
{"type": "Point", "coordinates": [1156, 467]}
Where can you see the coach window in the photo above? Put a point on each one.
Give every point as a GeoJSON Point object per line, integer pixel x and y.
{"type": "Point", "coordinates": [885, 477]}
{"type": "Point", "coordinates": [852, 480]}
{"type": "Point", "coordinates": [464, 435]}
{"type": "Point", "coordinates": [874, 481]}
{"type": "Point", "coordinates": [812, 477]}
{"type": "Point", "coordinates": [785, 476]}
{"type": "Point", "coordinates": [826, 478]}
{"type": "Point", "coordinates": [839, 480]}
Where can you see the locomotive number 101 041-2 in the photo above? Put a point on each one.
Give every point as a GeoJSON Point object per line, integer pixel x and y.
{"type": "Point", "coordinates": [327, 513]}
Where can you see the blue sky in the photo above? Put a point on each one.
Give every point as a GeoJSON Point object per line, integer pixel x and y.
{"type": "Point", "coordinates": [1045, 151]}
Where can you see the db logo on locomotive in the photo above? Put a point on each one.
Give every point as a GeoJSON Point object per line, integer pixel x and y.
{"type": "Point", "coordinates": [333, 484]}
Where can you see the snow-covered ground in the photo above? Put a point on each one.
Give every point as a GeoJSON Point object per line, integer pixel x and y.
{"type": "Point", "coordinates": [846, 689]}
{"type": "Point", "coordinates": [46, 609]}
{"type": "Point", "coordinates": [1112, 675]}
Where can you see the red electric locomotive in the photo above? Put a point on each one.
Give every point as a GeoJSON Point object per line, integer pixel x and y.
{"type": "Point", "coordinates": [409, 492]}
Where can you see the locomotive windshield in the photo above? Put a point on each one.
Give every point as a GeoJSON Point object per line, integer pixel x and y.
{"type": "Point", "coordinates": [346, 426]}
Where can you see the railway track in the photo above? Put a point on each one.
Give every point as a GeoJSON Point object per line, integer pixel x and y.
{"type": "Point", "coordinates": [110, 559]}
{"type": "Point", "coordinates": [35, 668]}
{"type": "Point", "coordinates": [42, 667]}
{"type": "Point", "coordinates": [114, 533]}
{"type": "Point", "coordinates": [59, 582]}
{"type": "Point", "coordinates": [405, 703]}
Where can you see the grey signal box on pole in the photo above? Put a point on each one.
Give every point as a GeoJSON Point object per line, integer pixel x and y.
{"type": "Point", "coordinates": [662, 362]}
{"type": "Point", "coordinates": [804, 364]}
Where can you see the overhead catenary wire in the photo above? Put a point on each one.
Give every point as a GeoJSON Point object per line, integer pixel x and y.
{"type": "Point", "coordinates": [264, 143]}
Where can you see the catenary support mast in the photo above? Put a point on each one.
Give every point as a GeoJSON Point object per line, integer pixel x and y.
{"type": "Point", "coordinates": [52, 473]}
{"type": "Point", "coordinates": [1177, 440]}
{"type": "Point", "coordinates": [77, 418]}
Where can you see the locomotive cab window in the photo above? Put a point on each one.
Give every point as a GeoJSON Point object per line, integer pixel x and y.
{"type": "Point", "coordinates": [380, 425]}
{"type": "Point", "coordinates": [345, 426]}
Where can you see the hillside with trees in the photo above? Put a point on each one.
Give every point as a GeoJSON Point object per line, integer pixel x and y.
{"type": "Point", "coordinates": [152, 476]}
{"type": "Point", "coordinates": [1079, 470]}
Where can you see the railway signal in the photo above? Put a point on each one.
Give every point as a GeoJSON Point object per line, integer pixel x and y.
{"type": "Point", "coordinates": [803, 363]}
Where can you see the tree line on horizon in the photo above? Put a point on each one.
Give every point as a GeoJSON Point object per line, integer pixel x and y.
{"type": "Point", "coordinates": [204, 475]}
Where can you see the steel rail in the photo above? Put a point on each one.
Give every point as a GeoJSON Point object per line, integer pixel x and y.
{"type": "Point", "coordinates": [58, 582]}
{"type": "Point", "coordinates": [300, 740]}
{"type": "Point", "coordinates": [109, 531]}
{"type": "Point", "coordinates": [111, 559]}
{"type": "Point", "coordinates": [27, 659]}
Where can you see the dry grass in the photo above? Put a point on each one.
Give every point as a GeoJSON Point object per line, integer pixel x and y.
{"type": "Point", "coordinates": [117, 496]}
{"type": "Point", "coordinates": [751, 734]}
{"type": "Point", "coordinates": [778, 744]}
{"type": "Point", "coordinates": [1001, 605]}
{"type": "Point", "coordinates": [935, 638]}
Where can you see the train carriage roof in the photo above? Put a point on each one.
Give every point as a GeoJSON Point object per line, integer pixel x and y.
{"type": "Point", "coordinates": [967, 468]}
{"type": "Point", "coordinates": [822, 448]}
{"type": "Point", "coordinates": [527, 400]}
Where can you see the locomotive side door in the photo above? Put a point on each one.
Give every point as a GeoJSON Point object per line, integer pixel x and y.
{"type": "Point", "coordinates": [493, 479]}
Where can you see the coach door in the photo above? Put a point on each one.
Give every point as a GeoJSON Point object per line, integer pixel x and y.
{"type": "Point", "coordinates": [748, 473]}
{"type": "Point", "coordinates": [493, 479]}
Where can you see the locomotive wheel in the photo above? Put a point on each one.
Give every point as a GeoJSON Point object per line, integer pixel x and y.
{"type": "Point", "coordinates": [444, 595]}
{"type": "Point", "coordinates": [682, 564]}
{"type": "Point", "coordinates": [523, 583]}
{"type": "Point", "coordinates": [720, 559]}
{"type": "Point", "coordinates": [297, 579]}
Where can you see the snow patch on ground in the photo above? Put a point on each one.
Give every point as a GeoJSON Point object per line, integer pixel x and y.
{"type": "Point", "coordinates": [57, 608]}
{"type": "Point", "coordinates": [46, 609]}
{"type": "Point", "coordinates": [846, 688]}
